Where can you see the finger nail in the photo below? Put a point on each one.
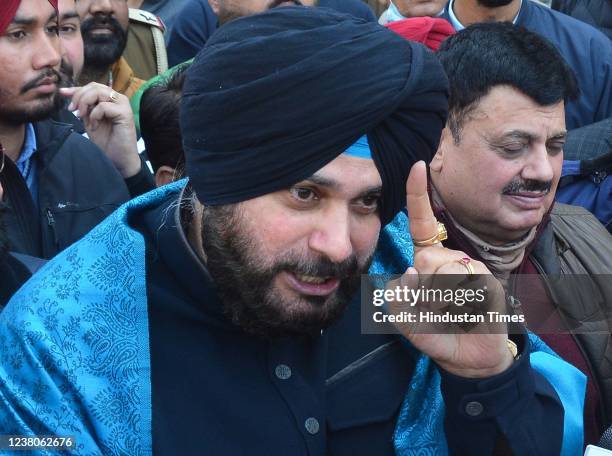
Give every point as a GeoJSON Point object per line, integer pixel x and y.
{"type": "Point", "coordinates": [71, 108]}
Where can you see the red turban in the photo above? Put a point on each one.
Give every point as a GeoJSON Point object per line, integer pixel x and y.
{"type": "Point", "coordinates": [430, 31]}
{"type": "Point", "coordinates": [9, 8]}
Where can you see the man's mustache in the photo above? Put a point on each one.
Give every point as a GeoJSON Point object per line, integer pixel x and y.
{"type": "Point", "coordinates": [49, 73]}
{"type": "Point", "coordinates": [322, 267]}
{"type": "Point", "coordinates": [528, 185]}
{"type": "Point", "coordinates": [101, 20]}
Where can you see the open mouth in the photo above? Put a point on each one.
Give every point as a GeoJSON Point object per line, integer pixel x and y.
{"type": "Point", "coordinates": [312, 285]}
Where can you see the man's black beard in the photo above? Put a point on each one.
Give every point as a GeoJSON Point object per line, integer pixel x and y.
{"type": "Point", "coordinates": [20, 116]}
{"type": "Point", "coordinates": [66, 74]}
{"type": "Point", "coordinates": [246, 289]}
{"type": "Point", "coordinates": [47, 106]}
{"type": "Point", "coordinates": [101, 51]}
{"type": "Point", "coordinates": [494, 3]}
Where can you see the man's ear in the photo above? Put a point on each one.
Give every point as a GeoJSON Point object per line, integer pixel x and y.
{"type": "Point", "coordinates": [214, 4]}
{"type": "Point", "coordinates": [164, 175]}
{"type": "Point", "coordinates": [438, 161]}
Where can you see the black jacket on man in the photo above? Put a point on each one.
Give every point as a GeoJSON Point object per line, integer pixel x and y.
{"type": "Point", "coordinates": [77, 188]}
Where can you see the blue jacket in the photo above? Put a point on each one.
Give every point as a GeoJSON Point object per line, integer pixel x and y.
{"type": "Point", "coordinates": [587, 51]}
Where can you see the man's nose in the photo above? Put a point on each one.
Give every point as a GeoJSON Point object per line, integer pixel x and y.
{"type": "Point", "coordinates": [47, 52]}
{"type": "Point", "coordinates": [539, 166]}
{"type": "Point", "coordinates": [332, 235]}
{"type": "Point", "coordinates": [101, 6]}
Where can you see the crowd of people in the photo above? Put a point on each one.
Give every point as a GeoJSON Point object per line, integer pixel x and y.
{"type": "Point", "coordinates": [195, 192]}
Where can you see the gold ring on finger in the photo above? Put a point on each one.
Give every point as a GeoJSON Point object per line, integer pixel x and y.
{"type": "Point", "coordinates": [467, 262]}
{"type": "Point", "coordinates": [113, 96]}
{"type": "Point", "coordinates": [440, 236]}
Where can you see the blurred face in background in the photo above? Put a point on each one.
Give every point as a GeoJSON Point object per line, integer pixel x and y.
{"type": "Point", "coordinates": [71, 41]}
{"type": "Point", "coordinates": [418, 8]}
{"type": "Point", "coordinates": [104, 25]}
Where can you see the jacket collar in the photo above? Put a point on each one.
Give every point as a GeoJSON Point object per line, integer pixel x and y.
{"type": "Point", "coordinates": [50, 136]}
{"type": "Point", "coordinates": [524, 11]}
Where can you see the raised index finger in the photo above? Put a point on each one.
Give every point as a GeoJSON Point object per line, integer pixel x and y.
{"type": "Point", "coordinates": [423, 223]}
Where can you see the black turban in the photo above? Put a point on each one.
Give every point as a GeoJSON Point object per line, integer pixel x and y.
{"type": "Point", "coordinates": [273, 98]}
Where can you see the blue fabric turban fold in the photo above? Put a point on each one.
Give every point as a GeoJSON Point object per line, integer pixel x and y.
{"type": "Point", "coordinates": [273, 98]}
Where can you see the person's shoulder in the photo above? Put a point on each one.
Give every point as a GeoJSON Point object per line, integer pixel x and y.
{"type": "Point", "coordinates": [146, 18]}
{"type": "Point", "coordinates": [548, 21]}
{"type": "Point", "coordinates": [199, 5]}
{"type": "Point", "coordinates": [82, 145]}
{"type": "Point", "coordinates": [85, 156]}
{"type": "Point", "coordinates": [576, 223]}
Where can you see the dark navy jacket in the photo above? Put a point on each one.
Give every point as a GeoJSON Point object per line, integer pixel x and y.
{"type": "Point", "coordinates": [197, 21]}
{"type": "Point", "coordinates": [218, 391]}
{"type": "Point", "coordinates": [587, 51]}
{"type": "Point", "coordinates": [78, 187]}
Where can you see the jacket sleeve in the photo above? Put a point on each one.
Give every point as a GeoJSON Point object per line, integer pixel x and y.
{"type": "Point", "coordinates": [142, 182]}
{"type": "Point", "coordinates": [519, 408]}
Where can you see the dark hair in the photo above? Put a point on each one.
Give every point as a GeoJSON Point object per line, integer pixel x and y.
{"type": "Point", "coordinates": [159, 121]}
{"type": "Point", "coordinates": [486, 55]}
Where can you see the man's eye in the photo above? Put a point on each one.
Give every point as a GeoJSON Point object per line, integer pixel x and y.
{"type": "Point", "coordinates": [17, 35]}
{"type": "Point", "coordinates": [303, 194]}
{"type": "Point", "coordinates": [514, 148]}
{"type": "Point", "coordinates": [369, 204]}
{"type": "Point", "coordinates": [53, 30]}
{"type": "Point", "coordinates": [67, 29]}
{"type": "Point", "coordinates": [555, 148]}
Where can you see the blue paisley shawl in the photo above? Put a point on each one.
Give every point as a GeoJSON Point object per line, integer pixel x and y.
{"type": "Point", "coordinates": [74, 349]}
